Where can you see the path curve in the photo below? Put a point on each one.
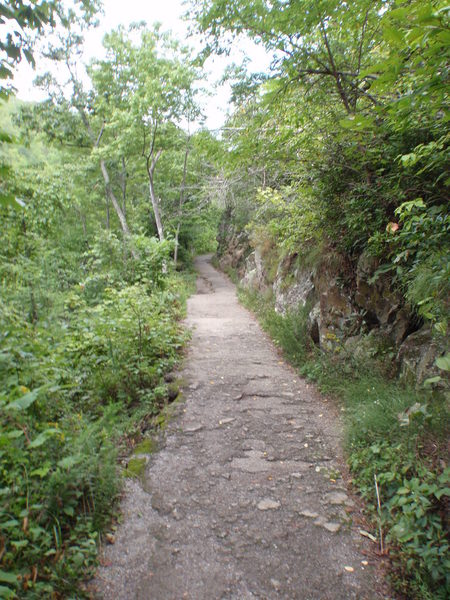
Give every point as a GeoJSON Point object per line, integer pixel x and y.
{"type": "Point", "coordinates": [244, 500]}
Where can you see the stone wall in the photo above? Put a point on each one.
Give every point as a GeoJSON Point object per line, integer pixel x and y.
{"type": "Point", "coordinates": [350, 310]}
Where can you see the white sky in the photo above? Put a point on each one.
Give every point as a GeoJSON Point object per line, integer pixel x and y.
{"type": "Point", "coordinates": [169, 13]}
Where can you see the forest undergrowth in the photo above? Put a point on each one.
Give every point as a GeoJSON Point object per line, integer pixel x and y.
{"type": "Point", "coordinates": [82, 360]}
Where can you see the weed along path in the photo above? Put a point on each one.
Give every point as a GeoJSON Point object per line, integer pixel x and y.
{"type": "Point", "coordinates": [244, 498]}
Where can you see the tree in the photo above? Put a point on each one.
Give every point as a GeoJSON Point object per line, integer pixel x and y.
{"type": "Point", "coordinates": [24, 22]}
{"type": "Point", "coordinates": [67, 50]}
{"type": "Point", "coordinates": [324, 42]}
{"type": "Point", "coordinates": [145, 91]}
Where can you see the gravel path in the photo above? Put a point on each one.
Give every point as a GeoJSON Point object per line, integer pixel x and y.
{"type": "Point", "coordinates": [244, 499]}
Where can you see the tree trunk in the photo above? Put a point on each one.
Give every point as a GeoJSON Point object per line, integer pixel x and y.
{"type": "Point", "coordinates": [108, 225]}
{"type": "Point", "coordinates": [115, 203]}
{"type": "Point", "coordinates": [175, 252]}
{"type": "Point", "coordinates": [181, 202]}
{"type": "Point", "coordinates": [155, 203]}
{"type": "Point", "coordinates": [95, 142]}
{"type": "Point", "coordinates": [123, 187]}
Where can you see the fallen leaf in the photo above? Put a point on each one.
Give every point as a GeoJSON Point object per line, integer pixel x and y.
{"type": "Point", "coordinates": [110, 538]}
{"type": "Point", "coordinates": [367, 535]}
{"type": "Point", "coordinates": [365, 562]}
{"type": "Point", "coordinates": [349, 569]}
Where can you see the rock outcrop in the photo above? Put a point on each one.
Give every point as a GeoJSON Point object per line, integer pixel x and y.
{"type": "Point", "coordinates": [357, 312]}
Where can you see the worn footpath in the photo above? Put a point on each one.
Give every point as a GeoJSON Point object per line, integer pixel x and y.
{"type": "Point", "coordinates": [244, 499]}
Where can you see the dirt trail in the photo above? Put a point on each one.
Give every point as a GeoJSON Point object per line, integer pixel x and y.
{"type": "Point", "coordinates": [244, 500]}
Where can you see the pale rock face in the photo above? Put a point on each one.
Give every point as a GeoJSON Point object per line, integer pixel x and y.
{"type": "Point", "coordinates": [255, 277]}
{"type": "Point", "coordinates": [365, 317]}
{"type": "Point", "coordinates": [296, 294]}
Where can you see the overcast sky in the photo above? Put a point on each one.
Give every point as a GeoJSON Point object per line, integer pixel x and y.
{"type": "Point", "coordinates": [169, 13]}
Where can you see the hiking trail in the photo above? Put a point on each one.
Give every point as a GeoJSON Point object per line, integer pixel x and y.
{"type": "Point", "coordinates": [244, 499]}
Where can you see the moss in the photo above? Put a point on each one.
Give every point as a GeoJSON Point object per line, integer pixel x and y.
{"type": "Point", "coordinates": [135, 468]}
{"type": "Point", "coordinates": [173, 390]}
{"type": "Point", "coordinates": [160, 420]}
{"type": "Point", "coordinates": [147, 446]}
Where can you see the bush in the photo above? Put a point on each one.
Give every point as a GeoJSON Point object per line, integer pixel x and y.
{"type": "Point", "coordinates": [74, 384]}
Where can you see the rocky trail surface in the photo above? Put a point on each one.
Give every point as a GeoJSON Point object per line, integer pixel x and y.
{"type": "Point", "coordinates": [244, 498]}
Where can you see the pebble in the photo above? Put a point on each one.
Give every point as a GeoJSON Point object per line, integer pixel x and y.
{"type": "Point", "coordinates": [225, 421]}
{"type": "Point", "coordinates": [268, 504]}
{"type": "Point", "coordinates": [193, 429]}
{"type": "Point", "coordinates": [309, 513]}
{"type": "Point", "coordinates": [276, 584]}
{"type": "Point", "coordinates": [333, 527]}
{"type": "Point", "coordinates": [337, 498]}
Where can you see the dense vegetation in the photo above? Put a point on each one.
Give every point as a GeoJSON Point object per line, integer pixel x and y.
{"type": "Point", "coordinates": [107, 190]}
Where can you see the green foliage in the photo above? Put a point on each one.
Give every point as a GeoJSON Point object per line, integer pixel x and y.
{"type": "Point", "coordinates": [413, 497]}
{"type": "Point", "coordinates": [417, 248]}
{"type": "Point", "coordinates": [20, 19]}
{"type": "Point", "coordinates": [289, 332]}
{"type": "Point", "coordinates": [87, 334]}
{"type": "Point", "coordinates": [350, 124]}
{"type": "Point", "coordinates": [289, 216]}
{"type": "Point", "coordinates": [93, 373]}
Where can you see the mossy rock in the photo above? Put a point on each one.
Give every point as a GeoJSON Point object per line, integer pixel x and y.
{"type": "Point", "coordinates": [173, 390]}
{"type": "Point", "coordinates": [135, 468]}
{"type": "Point", "coordinates": [147, 446]}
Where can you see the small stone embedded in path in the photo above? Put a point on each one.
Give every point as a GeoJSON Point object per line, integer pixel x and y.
{"type": "Point", "coordinates": [328, 525]}
{"type": "Point", "coordinates": [268, 504]}
{"type": "Point", "coordinates": [309, 513]}
{"type": "Point", "coordinates": [244, 500]}
{"type": "Point", "coordinates": [337, 498]}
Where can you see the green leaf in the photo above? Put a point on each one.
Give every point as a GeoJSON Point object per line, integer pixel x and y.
{"type": "Point", "coordinates": [42, 472]}
{"type": "Point", "coordinates": [43, 437]}
{"type": "Point", "coordinates": [442, 492]}
{"type": "Point", "coordinates": [357, 122]}
{"type": "Point", "coordinates": [443, 362]}
{"type": "Point", "coordinates": [20, 544]}
{"type": "Point", "coordinates": [9, 524]}
{"type": "Point", "coordinates": [8, 577]}
{"type": "Point", "coordinates": [24, 401]}
{"type": "Point", "coordinates": [429, 382]}
{"type": "Point", "coordinates": [5, 137]}
{"type": "Point", "coordinates": [392, 35]}
{"type": "Point", "coordinates": [6, 593]}
{"type": "Point", "coordinates": [14, 434]}
{"type": "Point", "coordinates": [68, 462]}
